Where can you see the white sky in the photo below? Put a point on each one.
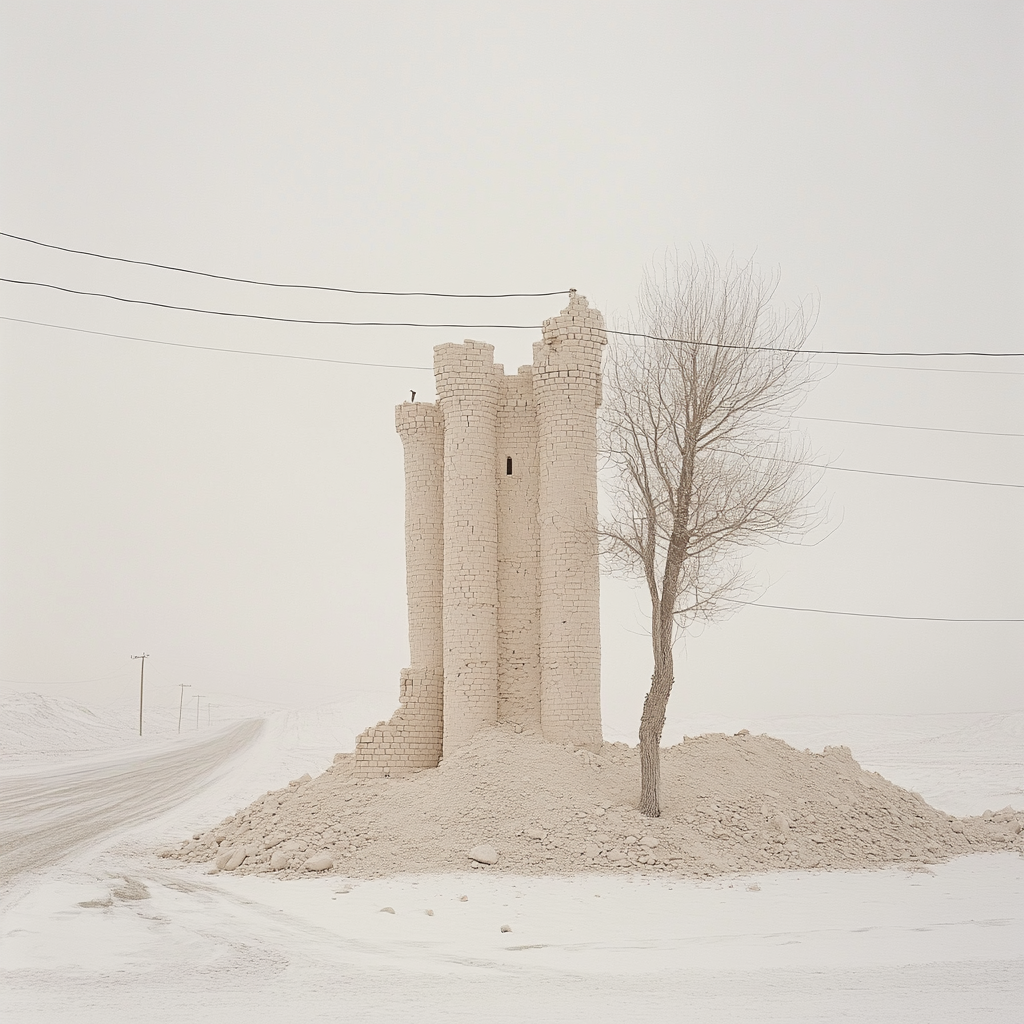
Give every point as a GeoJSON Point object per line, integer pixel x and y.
{"type": "Point", "coordinates": [240, 518]}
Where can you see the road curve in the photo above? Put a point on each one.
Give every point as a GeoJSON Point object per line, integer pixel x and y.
{"type": "Point", "coordinates": [47, 815]}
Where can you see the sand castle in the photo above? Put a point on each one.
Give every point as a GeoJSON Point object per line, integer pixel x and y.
{"type": "Point", "coordinates": [501, 550]}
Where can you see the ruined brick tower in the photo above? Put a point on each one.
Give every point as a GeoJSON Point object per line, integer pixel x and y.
{"type": "Point", "coordinates": [501, 549]}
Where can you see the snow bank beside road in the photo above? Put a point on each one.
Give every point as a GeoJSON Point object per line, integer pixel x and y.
{"type": "Point", "coordinates": [34, 725]}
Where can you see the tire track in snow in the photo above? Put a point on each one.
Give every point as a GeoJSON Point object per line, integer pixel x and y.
{"type": "Point", "coordinates": [47, 815]}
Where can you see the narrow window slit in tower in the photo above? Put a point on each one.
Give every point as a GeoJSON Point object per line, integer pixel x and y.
{"type": "Point", "coordinates": [508, 466]}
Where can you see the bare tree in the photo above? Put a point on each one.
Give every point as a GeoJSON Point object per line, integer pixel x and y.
{"type": "Point", "coordinates": [698, 453]}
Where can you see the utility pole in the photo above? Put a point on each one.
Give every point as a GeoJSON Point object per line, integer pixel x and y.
{"type": "Point", "coordinates": [142, 679]}
{"type": "Point", "coordinates": [199, 697]}
{"type": "Point", "coordinates": [181, 703]}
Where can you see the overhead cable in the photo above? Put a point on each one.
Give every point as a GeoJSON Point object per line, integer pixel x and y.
{"type": "Point", "coordinates": [502, 327]}
{"type": "Point", "coordinates": [867, 472]}
{"type": "Point", "coordinates": [907, 426]}
{"type": "Point", "coordinates": [915, 476]}
{"type": "Point", "coordinates": [260, 316]}
{"type": "Point", "coordinates": [279, 284]}
{"type": "Point", "coordinates": [932, 369]}
{"type": "Point", "coordinates": [863, 615]}
{"type": "Point", "coordinates": [805, 351]}
{"type": "Point", "coordinates": [211, 348]}
{"type": "Point", "coordinates": [407, 366]}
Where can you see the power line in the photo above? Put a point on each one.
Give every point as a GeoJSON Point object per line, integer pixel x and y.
{"type": "Point", "coordinates": [261, 316]}
{"type": "Point", "coordinates": [278, 284]}
{"type": "Point", "coordinates": [933, 369]}
{"type": "Point", "coordinates": [502, 327]}
{"type": "Point", "coordinates": [211, 348]}
{"type": "Point", "coordinates": [403, 366]}
{"type": "Point", "coordinates": [398, 366]}
{"type": "Point", "coordinates": [804, 351]}
{"type": "Point", "coordinates": [915, 476]}
{"type": "Point", "coordinates": [907, 426]}
{"type": "Point", "coordinates": [868, 472]}
{"type": "Point", "coordinates": [863, 615]}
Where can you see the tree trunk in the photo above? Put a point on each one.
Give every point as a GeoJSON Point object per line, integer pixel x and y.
{"type": "Point", "coordinates": [652, 722]}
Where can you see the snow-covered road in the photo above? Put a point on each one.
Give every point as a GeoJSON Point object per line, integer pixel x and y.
{"type": "Point", "coordinates": [47, 815]}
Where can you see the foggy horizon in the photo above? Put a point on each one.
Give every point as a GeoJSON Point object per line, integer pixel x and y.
{"type": "Point", "coordinates": [240, 518]}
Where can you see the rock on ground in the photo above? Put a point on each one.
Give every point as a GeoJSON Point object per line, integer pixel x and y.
{"type": "Point", "coordinates": [483, 854]}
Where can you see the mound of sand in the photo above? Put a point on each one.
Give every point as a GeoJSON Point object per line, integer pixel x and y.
{"type": "Point", "coordinates": [730, 804]}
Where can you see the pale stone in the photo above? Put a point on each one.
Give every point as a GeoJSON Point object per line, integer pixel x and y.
{"type": "Point", "coordinates": [279, 860]}
{"type": "Point", "coordinates": [319, 862]}
{"type": "Point", "coordinates": [235, 859]}
{"type": "Point", "coordinates": [483, 854]}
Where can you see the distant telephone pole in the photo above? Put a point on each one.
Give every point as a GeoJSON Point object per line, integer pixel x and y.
{"type": "Point", "coordinates": [181, 703]}
{"type": "Point", "coordinates": [142, 679]}
{"type": "Point", "coordinates": [199, 697]}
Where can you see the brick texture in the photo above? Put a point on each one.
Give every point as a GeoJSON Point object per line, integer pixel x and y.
{"type": "Point", "coordinates": [501, 549]}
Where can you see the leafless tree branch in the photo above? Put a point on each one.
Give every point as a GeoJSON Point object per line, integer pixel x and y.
{"type": "Point", "coordinates": [699, 453]}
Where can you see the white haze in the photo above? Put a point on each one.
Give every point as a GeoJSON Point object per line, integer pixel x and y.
{"type": "Point", "coordinates": [240, 518]}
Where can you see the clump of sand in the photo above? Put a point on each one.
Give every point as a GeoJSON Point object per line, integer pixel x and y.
{"type": "Point", "coordinates": [730, 804]}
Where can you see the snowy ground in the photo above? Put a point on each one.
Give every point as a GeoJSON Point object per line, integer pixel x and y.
{"type": "Point", "coordinates": [94, 928]}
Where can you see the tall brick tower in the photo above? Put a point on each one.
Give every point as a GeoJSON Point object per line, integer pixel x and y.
{"type": "Point", "coordinates": [567, 392]}
{"type": "Point", "coordinates": [501, 549]}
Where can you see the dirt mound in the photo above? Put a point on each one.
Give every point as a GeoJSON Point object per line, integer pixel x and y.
{"type": "Point", "coordinates": [730, 804]}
